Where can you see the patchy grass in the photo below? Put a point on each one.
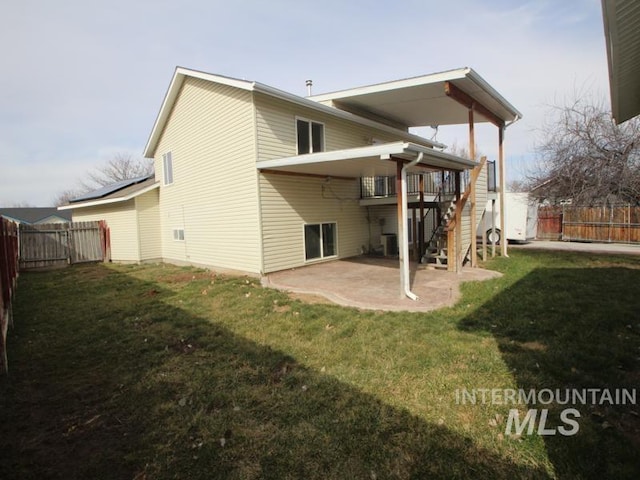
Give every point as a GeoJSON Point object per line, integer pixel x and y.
{"type": "Point", "coordinates": [157, 371]}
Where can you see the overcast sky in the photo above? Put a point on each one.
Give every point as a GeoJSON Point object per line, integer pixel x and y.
{"type": "Point", "coordinates": [83, 80]}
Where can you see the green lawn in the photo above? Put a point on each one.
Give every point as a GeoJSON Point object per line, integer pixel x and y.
{"type": "Point", "coordinates": [158, 371]}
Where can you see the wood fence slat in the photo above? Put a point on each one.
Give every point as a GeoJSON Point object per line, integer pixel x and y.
{"type": "Point", "coordinates": [609, 224]}
{"type": "Point", "coordinates": [8, 282]}
{"type": "Point", "coordinates": [59, 244]}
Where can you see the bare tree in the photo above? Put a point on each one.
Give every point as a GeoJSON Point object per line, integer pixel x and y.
{"type": "Point", "coordinates": [463, 151]}
{"type": "Point", "coordinates": [586, 157]}
{"type": "Point", "coordinates": [121, 167]}
{"type": "Point", "coordinates": [521, 185]}
{"type": "Point", "coordinates": [65, 197]}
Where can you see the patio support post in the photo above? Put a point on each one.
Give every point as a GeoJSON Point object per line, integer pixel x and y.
{"type": "Point", "coordinates": [473, 223]}
{"type": "Point", "coordinates": [414, 233]}
{"type": "Point", "coordinates": [458, 223]}
{"type": "Point", "coordinates": [503, 183]}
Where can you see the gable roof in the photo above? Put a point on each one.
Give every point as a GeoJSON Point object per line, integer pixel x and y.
{"type": "Point", "coordinates": [33, 215]}
{"type": "Point", "coordinates": [622, 35]}
{"type": "Point", "coordinates": [181, 73]}
{"type": "Point", "coordinates": [116, 192]}
{"type": "Point", "coordinates": [424, 101]}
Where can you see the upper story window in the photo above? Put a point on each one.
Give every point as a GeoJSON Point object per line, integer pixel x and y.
{"type": "Point", "coordinates": [167, 168]}
{"type": "Point", "coordinates": [310, 136]}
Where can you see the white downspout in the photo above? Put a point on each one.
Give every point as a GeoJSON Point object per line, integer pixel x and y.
{"type": "Point", "coordinates": [404, 242]}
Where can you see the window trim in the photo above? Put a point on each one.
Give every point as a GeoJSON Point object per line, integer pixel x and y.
{"type": "Point", "coordinates": [310, 129]}
{"type": "Point", "coordinates": [165, 178]}
{"type": "Point", "coordinates": [322, 257]}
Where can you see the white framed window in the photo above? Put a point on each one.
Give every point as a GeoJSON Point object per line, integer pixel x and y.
{"type": "Point", "coordinates": [167, 168]}
{"type": "Point", "coordinates": [310, 136]}
{"type": "Point", "coordinates": [320, 240]}
{"type": "Point", "coordinates": [178, 234]}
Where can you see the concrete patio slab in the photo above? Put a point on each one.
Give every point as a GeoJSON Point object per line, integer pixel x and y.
{"type": "Point", "coordinates": [374, 284]}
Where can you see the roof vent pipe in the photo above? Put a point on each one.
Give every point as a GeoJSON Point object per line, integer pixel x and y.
{"type": "Point", "coordinates": [309, 84]}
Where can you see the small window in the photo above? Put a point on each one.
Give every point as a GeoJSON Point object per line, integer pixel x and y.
{"type": "Point", "coordinates": [320, 241]}
{"type": "Point", "coordinates": [178, 234]}
{"type": "Point", "coordinates": [167, 168]}
{"type": "Point", "coordinates": [310, 136]}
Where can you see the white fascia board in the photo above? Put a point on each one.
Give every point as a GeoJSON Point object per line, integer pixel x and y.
{"type": "Point", "coordinates": [106, 201]}
{"type": "Point", "coordinates": [493, 93]}
{"type": "Point", "coordinates": [393, 85]}
{"type": "Point", "coordinates": [447, 76]}
{"type": "Point", "coordinates": [387, 150]}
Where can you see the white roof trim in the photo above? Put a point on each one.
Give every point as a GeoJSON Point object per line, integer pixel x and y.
{"type": "Point", "coordinates": [447, 76]}
{"type": "Point", "coordinates": [431, 157]}
{"type": "Point", "coordinates": [181, 73]}
{"type": "Point", "coordinates": [106, 201]}
{"type": "Point", "coordinates": [394, 84]}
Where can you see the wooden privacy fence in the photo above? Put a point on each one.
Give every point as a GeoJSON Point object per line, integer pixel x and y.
{"type": "Point", "coordinates": [610, 224]}
{"type": "Point", "coordinates": [59, 244]}
{"type": "Point", "coordinates": [618, 224]}
{"type": "Point", "coordinates": [549, 223]}
{"type": "Point", "coordinates": [8, 280]}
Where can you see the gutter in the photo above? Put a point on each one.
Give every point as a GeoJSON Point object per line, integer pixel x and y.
{"type": "Point", "coordinates": [404, 257]}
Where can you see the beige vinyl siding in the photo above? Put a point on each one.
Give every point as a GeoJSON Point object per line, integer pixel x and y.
{"type": "Point", "coordinates": [121, 219]}
{"type": "Point", "coordinates": [211, 135]}
{"type": "Point", "coordinates": [277, 129]}
{"type": "Point", "coordinates": [481, 202]}
{"type": "Point", "coordinates": [482, 195]}
{"type": "Point", "coordinates": [290, 202]}
{"type": "Point", "coordinates": [149, 226]}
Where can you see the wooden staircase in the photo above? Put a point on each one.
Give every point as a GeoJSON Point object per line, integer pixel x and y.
{"type": "Point", "coordinates": [454, 237]}
{"type": "Point", "coordinates": [437, 252]}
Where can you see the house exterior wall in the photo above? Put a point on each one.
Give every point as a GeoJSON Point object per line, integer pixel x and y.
{"type": "Point", "coordinates": [214, 197]}
{"type": "Point", "coordinates": [276, 129]}
{"type": "Point", "coordinates": [148, 211]}
{"type": "Point", "coordinates": [290, 202]}
{"type": "Point", "coordinates": [122, 220]}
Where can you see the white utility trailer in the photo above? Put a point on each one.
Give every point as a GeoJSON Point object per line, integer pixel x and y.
{"type": "Point", "coordinates": [521, 220]}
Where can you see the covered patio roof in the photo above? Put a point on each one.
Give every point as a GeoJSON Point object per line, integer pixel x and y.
{"type": "Point", "coordinates": [367, 161]}
{"type": "Point", "coordinates": [437, 99]}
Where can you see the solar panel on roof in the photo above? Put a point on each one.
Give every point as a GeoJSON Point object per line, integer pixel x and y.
{"type": "Point", "coordinates": [109, 189]}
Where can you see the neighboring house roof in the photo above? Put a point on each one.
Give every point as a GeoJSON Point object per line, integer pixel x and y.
{"type": "Point", "coordinates": [181, 73]}
{"type": "Point", "coordinates": [622, 36]}
{"type": "Point", "coordinates": [33, 215]}
{"type": "Point", "coordinates": [116, 192]}
{"type": "Point", "coordinates": [365, 161]}
{"type": "Point", "coordinates": [423, 101]}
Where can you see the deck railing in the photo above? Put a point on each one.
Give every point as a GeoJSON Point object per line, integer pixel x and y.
{"type": "Point", "coordinates": [435, 183]}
